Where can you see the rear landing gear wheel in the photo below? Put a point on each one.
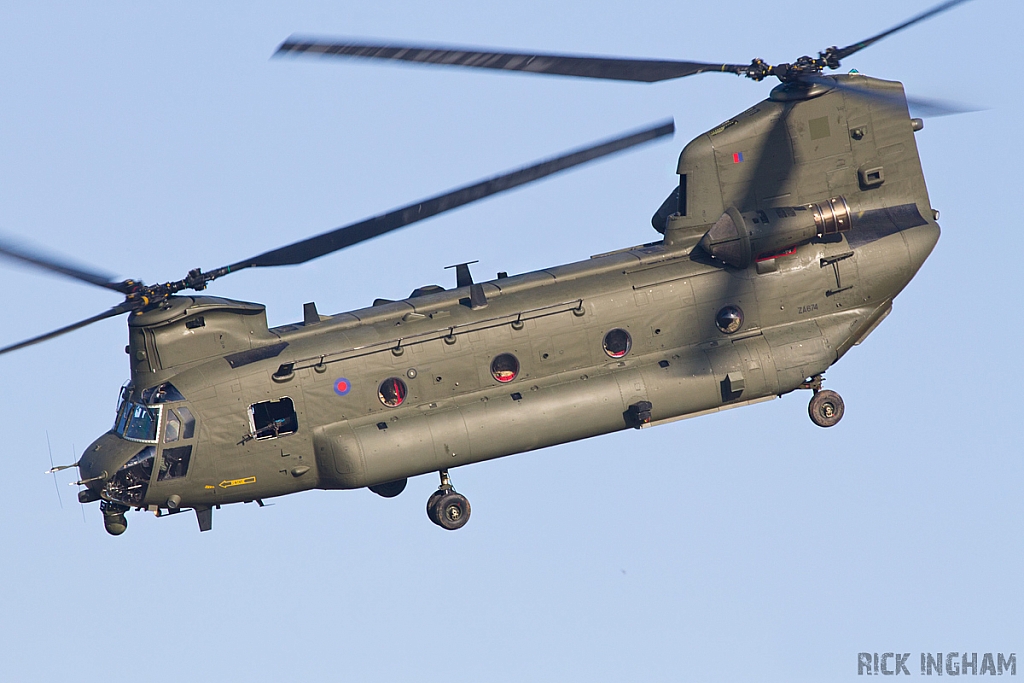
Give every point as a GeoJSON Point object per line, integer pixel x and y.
{"type": "Point", "coordinates": [826, 408]}
{"type": "Point", "coordinates": [452, 511]}
{"type": "Point", "coordinates": [446, 508]}
{"type": "Point", "coordinates": [432, 505]}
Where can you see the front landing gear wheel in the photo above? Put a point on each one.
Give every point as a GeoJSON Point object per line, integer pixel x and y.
{"type": "Point", "coordinates": [826, 408]}
{"type": "Point", "coordinates": [452, 511]}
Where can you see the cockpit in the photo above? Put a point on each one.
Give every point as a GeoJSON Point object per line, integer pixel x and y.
{"type": "Point", "coordinates": [159, 418]}
{"type": "Point", "coordinates": [139, 420]}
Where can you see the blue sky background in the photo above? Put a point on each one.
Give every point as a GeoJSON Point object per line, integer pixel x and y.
{"type": "Point", "coordinates": [145, 140]}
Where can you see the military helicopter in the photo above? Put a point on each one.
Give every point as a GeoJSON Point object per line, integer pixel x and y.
{"type": "Point", "coordinates": [793, 227]}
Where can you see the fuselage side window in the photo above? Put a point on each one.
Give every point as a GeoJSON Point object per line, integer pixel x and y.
{"type": "Point", "coordinates": [391, 392]}
{"type": "Point", "coordinates": [505, 367]}
{"type": "Point", "coordinates": [271, 419]}
{"type": "Point", "coordinates": [617, 343]}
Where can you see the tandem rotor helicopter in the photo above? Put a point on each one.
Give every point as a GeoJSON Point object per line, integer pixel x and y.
{"type": "Point", "coordinates": [793, 227]}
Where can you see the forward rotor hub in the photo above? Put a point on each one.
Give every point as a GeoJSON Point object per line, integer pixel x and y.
{"type": "Point", "coordinates": [789, 73]}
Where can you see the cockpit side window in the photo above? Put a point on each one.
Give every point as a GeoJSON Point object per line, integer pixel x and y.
{"type": "Point", "coordinates": [122, 419]}
{"type": "Point", "coordinates": [122, 408]}
{"type": "Point", "coordinates": [174, 463]}
{"type": "Point", "coordinates": [188, 423]}
{"type": "Point", "coordinates": [172, 428]}
{"type": "Point", "coordinates": [271, 419]}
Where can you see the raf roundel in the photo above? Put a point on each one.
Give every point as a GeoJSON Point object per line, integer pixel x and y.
{"type": "Point", "coordinates": [342, 386]}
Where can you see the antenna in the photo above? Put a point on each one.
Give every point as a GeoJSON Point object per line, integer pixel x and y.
{"type": "Point", "coordinates": [53, 470]}
{"type": "Point", "coordinates": [74, 451]}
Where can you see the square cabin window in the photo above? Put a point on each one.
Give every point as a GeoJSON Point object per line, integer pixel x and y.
{"type": "Point", "coordinates": [271, 419]}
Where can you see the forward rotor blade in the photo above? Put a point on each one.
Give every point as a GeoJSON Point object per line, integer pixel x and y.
{"type": "Point", "coordinates": [845, 52]}
{"type": "Point", "coordinates": [314, 247]}
{"type": "Point", "coordinates": [116, 310]}
{"type": "Point", "coordinates": [54, 265]}
{"type": "Point", "coordinates": [583, 66]}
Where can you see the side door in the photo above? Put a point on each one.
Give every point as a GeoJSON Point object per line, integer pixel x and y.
{"type": "Point", "coordinates": [175, 458]}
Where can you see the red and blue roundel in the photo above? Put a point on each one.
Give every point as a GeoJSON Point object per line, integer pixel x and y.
{"type": "Point", "coordinates": [342, 386]}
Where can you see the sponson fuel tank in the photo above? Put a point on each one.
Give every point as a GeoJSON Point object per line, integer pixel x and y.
{"type": "Point", "coordinates": [548, 411]}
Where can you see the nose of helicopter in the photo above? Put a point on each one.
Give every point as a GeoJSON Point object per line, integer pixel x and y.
{"type": "Point", "coordinates": [104, 456]}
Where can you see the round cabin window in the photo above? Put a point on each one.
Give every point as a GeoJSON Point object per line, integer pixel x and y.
{"type": "Point", "coordinates": [617, 343]}
{"type": "Point", "coordinates": [505, 367]}
{"type": "Point", "coordinates": [392, 392]}
{"type": "Point", "coordinates": [729, 319]}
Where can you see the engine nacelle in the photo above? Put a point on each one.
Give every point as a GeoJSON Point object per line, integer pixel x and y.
{"type": "Point", "coordinates": [740, 238]}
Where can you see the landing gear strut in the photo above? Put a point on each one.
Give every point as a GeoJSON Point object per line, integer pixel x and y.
{"type": "Point", "coordinates": [826, 407]}
{"type": "Point", "coordinates": [446, 508]}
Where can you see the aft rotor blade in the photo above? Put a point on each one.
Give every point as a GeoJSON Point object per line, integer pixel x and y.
{"type": "Point", "coordinates": [116, 310]}
{"type": "Point", "coordinates": [930, 109]}
{"type": "Point", "coordinates": [314, 247]}
{"type": "Point", "coordinates": [845, 52]}
{"type": "Point", "coordinates": [925, 108]}
{"type": "Point", "coordinates": [582, 66]}
{"type": "Point", "coordinates": [55, 265]}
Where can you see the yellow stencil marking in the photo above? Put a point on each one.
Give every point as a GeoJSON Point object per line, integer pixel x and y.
{"type": "Point", "coordinates": [208, 486]}
{"type": "Point", "coordinates": [237, 482]}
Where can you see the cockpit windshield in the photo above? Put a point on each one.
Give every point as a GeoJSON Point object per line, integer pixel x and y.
{"type": "Point", "coordinates": [140, 420]}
